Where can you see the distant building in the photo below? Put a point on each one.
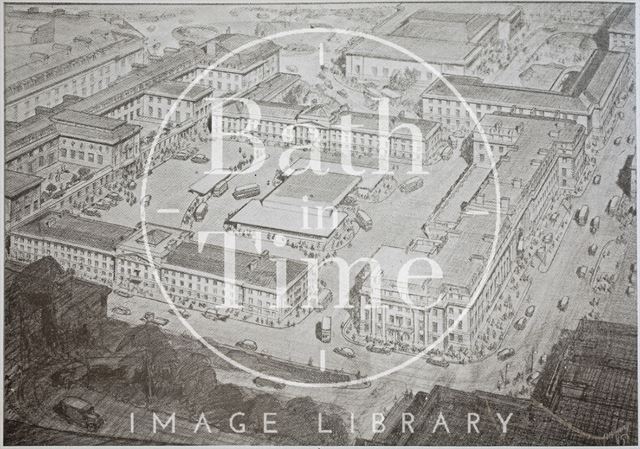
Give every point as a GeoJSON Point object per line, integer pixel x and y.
{"type": "Point", "coordinates": [451, 42]}
{"type": "Point", "coordinates": [52, 54]}
{"type": "Point", "coordinates": [622, 32]}
{"type": "Point", "coordinates": [192, 102]}
{"type": "Point", "coordinates": [586, 395]}
{"type": "Point", "coordinates": [590, 102]}
{"type": "Point", "coordinates": [47, 310]}
{"type": "Point", "coordinates": [21, 196]}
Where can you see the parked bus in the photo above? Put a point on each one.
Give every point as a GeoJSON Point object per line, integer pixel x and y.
{"type": "Point", "coordinates": [325, 336]}
{"type": "Point", "coordinates": [411, 184]}
{"type": "Point", "coordinates": [582, 215]}
{"type": "Point", "coordinates": [246, 191]}
{"type": "Point", "coordinates": [201, 211]}
{"type": "Point", "coordinates": [364, 220]}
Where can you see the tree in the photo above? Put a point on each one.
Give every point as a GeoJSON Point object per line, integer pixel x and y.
{"type": "Point", "coordinates": [257, 407]}
{"type": "Point", "coordinates": [51, 188]}
{"type": "Point", "coordinates": [83, 172]}
{"type": "Point", "coordinates": [197, 379]}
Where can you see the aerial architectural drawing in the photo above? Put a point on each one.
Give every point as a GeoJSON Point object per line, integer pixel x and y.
{"type": "Point", "coordinates": [323, 224]}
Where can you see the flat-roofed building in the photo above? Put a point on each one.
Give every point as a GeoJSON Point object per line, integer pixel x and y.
{"type": "Point", "coordinates": [194, 277]}
{"type": "Point", "coordinates": [192, 101]}
{"type": "Point", "coordinates": [52, 54]}
{"type": "Point", "coordinates": [622, 32]}
{"type": "Point", "coordinates": [87, 246]}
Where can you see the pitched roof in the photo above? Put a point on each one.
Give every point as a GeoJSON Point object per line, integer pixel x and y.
{"type": "Point", "coordinates": [16, 183]}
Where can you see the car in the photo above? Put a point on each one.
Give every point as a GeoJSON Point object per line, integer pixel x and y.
{"type": "Point", "coordinates": [150, 317]}
{"type": "Point", "coordinates": [597, 179]}
{"type": "Point", "coordinates": [521, 323]}
{"type": "Point", "coordinates": [121, 310]}
{"type": "Point", "coordinates": [532, 378]}
{"type": "Point", "coordinates": [92, 212]}
{"type": "Point", "coordinates": [183, 312]}
{"type": "Point", "coordinates": [342, 93]}
{"type": "Point", "coordinates": [379, 349]}
{"type": "Point", "coordinates": [199, 159]}
{"type": "Point", "coordinates": [506, 353]}
{"type": "Point", "coordinates": [631, 291]}
{"type": "Point", "coordinates": [262, 382]}
{"type": "Point", "coordinates": [617, 141]}
{"type": "Point", "coordinates": [292, 69]}
{"type": "Point", "coordinates": [69, 375]}
{"type": "Point", "coordinates": [79, 412]}
{"type": "Point", "coordinates": [102, 205]}
{"type": "Point", "coordinates": [547, 238]}
{"type": "Point", "coordinates": [181, 155]}
{"type": "Point", "coordinates": [554, 217]}
{"type": "Point", "coordinates": [543, 359]}
{"type": "Point", "coordinates": [581, 272]}
{"type": "Point", "coordinates": [630, 139]}
{"type": "Point", "coordinates": [530, 311]}
{"type": "Point", "coordinates": [345, 352]}
{"type": "Point", "coordinates": [563, 303]}
{"type": "Point", "coordinates": [437, 361]}
{"type": "Point", "coordinates": [593, 249]}
{"type": "Point", "coordinates": [621, 115]}
{"type": "Point", "coordinates": [123, 293]}
{"type": "Point", "coordinates": [328, 84]}
{"type": "Point", "coordinates": [247, 344]}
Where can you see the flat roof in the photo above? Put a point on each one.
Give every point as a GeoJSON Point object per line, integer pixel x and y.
{"type": "Point", "coordinates": [251, 269]}
{"type": "Point", "coordinates": [457, 27]}
{"type": "Point", "coordinates": [177, 89]}
{"type": "Point", "coordinates": [99, 136]}
{"type": "Point", "coordinates": [328, 189]}
{"type": "Point", "coordinates": [206, 184]}
{"type": "Point", "coordinates": [623, 20]}
{"type": "Point", "coordinates": [16, 183]}
{"type": "Point", "coordinates": [85, 119]}
{"type": "Point", "coordinates": [286, 220]}
{"type": "Point", "coordinates": [100, 235]}
{"type": "Point", "coordinates": [431, 51]}
{"type": "Point", "coordinates": [270, 88]}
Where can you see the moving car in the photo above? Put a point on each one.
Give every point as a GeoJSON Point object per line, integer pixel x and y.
{"type": "Point", "coordinates": [246, 191]}
{"type": "Point", "coordinates": [612, 206]}
{"type": "Point", "coordinates": [631, 291]}
{"type": "Point", "coordinates": [547, 238]}
{"type": "Point", "coordinates": [364, 220]}
{"type": "Point", "coordinates": [593, 249]}
{"type": "Point", "coordinates": [213, 314]}
{"type": "Point", "coordinates": [563, 303]}
{"type": "Point", "coordinates": [150, 317]}
{"type": "Point", "coordinates": [581, 271]}
{"type": "Point", "coordinates": [182, 312]}
{"type": "Point", "coordinates": [521, 323]}
{"type": "Point", "coordinates": [582, 215]}
{"type": "Point", "coordinates": [379, 349]}
{"type": "Point", "coordinates": [146, 200]}
{"type": "Point", "coordinates": [437, 361]}
{"type": "Point", "coordinates": [121, 310]}
{"type": "Point", "coordinates": [530, 311]}
{"type": "Point", "coordinates": [249, 345]}
{"type": "Point", "coordinates": [617, 141]}
{"type": "Point", "coordinates": [532, 378]}
{"type": "Point", "coordinates": [505, 353]}
{"type": "Point", "coordinates": [79, 412]}
{"type": "Point", "coordinates": [199, 159]}
{"type": "Point", "coordinates": [595, 224]}
{"type": "Point", "coordinates": [262, 382]}
{"type": "Point", "coordinates": [630, 139]}
{"type": "Point", "coordinates": [123, 293]}
{"type": "Point", "coordinates": [597, 179]}
{"type": "Point", "coordinates": [345, 352]}
{"type": "Point", "coordinates": [411, 184]}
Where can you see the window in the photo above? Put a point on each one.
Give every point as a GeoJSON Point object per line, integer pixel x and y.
{"type": "Point", "coordinates": [81, 155]}
{"type": "Point", "coordinates": [435, 328]}
{"type": "Point", "coordinates": [73, 154]}
{"type": "Point", "coordinates": [90, 157]}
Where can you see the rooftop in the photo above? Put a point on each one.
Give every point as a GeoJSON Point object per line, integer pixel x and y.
{"type": "Point", "coordinates": [71, 229]}
{"type": "Point", "coordinates": [623, 19]}
{"type": "Point", "coordinates": [251, 269]}
{"type": "Point", "coordinates": [433, 25]}
{"type": "Point", "coordinates": [245, 59]}
{"type": "Point", "coordinates": [327, 189]}
{"type": "Point", "coordinates": [272, 87]}
{"type": "Point", "coordinates": [431, 51]}
{"type": "Point", "coordinates": [177, 89]}
{"type": "Point", "coordinates": [16, 183]}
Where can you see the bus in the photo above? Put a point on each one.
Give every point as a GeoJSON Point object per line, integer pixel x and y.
{"type": "Point", "coordinates": [201, 211]}
{"type": "Point", "coordinates": [411, 184]}
{"type": "Point", "coordinates": [364, 220]}
{"type": "Point", "coordinates": [246, 191]}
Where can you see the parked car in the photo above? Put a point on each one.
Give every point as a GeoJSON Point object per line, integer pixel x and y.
{"type": "Point", "coordinates": [102, 205]}
{"type": "Point", "coordinates": [123, 293]}
{"type": "Point", "coordinates": [581, 271]}
{"type": "Point", "coordinates": [593, 249]}
{"type": "Point", "coordinates": [247, 344]}
{"type": "Point", "coordinates": [621, 115]}
{"type": "Point", "coordinates": [181, 155]}
{"type": "Point", "coordinates": [121, 310]}
{"type": "Point", "coordinates": [563, 303]}
{"type": "Point", "coordinates": [547, 238]}
{"type": "Point", "coordinates": [530, 311]}
{"type": "Point", "coordinates": [631, 291]}
{"type": "Point", "coordinates": [631, 139]}
{"type": "Point", "coordinates": [379, 349]}
{"type": "Point", "coordinates": [182, 312]}
{"type": "Point", "coordinates": [146, 200]}
{"type": "Point", "coordinates": [150, 317]}
{"type": "Point", "coordinates": [328, 84]}
{"type": "Point", "coordinates": [617, 141]}
{"type": "Point", "coordinates": [521, 323]}
{"type": "Point", "coordinates": [345, 352]}
{"type": "Point", "coordinates": [262, 382]}
{"type": "Point", "coordinates": [595, 224]}
{"type": "Point", "coordinates": [543, 359]}
{"type": "Point", "coordinates": [79, 412]}
{"type": "Point", "coordinates": [437, 361]}
{"type": "Point", "coordinates": [342, 93]}
{"type": "Point", "coordinates": [532, 378]}
{"type": "Point", "coordinates": [505, 353]}
{"type": "Point", "coordinates": [199, 159]}
{"type": "Point", "coordinates": [597, 179]}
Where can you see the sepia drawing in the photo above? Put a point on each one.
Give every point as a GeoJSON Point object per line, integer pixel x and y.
{"type": "Point", "coordinates": [324, 224]}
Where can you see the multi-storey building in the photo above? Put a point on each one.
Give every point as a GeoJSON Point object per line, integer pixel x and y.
{"type": "Point", "coordinates": [21, 195]}
{"type": "Point", "coordinates": [240, 69]}
{"type": "Point", "coordinates": [590, 101]}
{"type": "Point", "coordinates": [192, 103]}
{"type": "Point", "coordinates": [194, 277]}
{"type": "Point", "coordinates": [463, 234]}
{"type": "Point", "coordinates": [53, 54]}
